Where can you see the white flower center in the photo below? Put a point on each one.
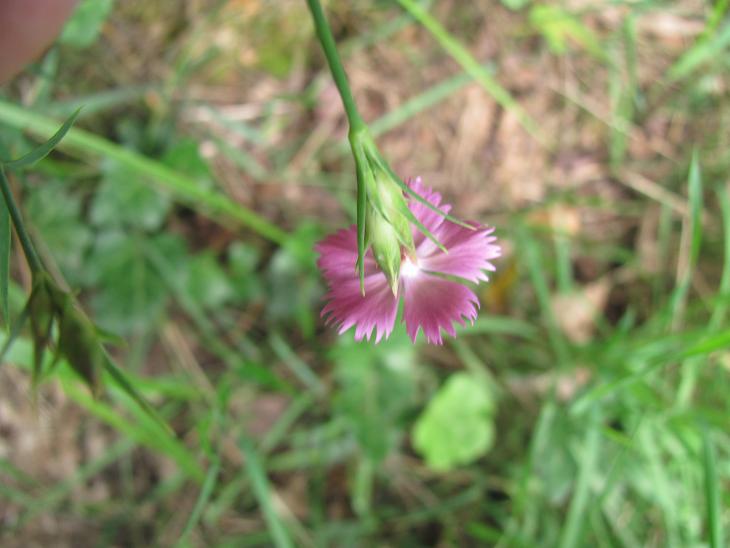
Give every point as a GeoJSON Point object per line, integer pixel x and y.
{"type": "Point", "coordinates": [408, 268]}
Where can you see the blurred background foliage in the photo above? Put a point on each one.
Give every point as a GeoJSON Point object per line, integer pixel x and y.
{"type": "Point", "coordinates": [586, 407]}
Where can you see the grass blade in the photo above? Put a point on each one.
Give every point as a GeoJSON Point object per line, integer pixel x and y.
{"type": "Point", "coordinates": [477, 71]}
{"type": "Point", "coordinates": [43, 150]}
{"type": "Point", "coordinates": [186, 190]}
{"type": "Point", "coordinates": [262, 491]}
{"type": "Point", "coordinates": [205, 493]}
{"type": "Point", "coordinates": [712, 493]}
{"type": "Point", "coordinates": [679, 296]}
{"type": "Point", "coordinates": [578, 511]}
{"type": "Point", "coordinates": [720, 311]}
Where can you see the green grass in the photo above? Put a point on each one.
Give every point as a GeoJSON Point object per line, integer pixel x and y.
{"type": "Point", "coordinates": [182, 209]}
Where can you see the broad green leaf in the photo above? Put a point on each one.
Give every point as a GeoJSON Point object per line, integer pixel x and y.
{"type": "Point", "coordinates": [207, 282]}
{"type": "Point", "coordinates": [184, 157]}
{"type": "Point", "coordinates": [85, 24]}
{"type": "Point", "coordinates": [56, 215]}
{"type": "Point", "coordinates": [43, 150]}
{"type": "Point", "coordinates": [457, 426]}
{"type": "Point", "coordinates": [242, 262]}
{"type": "Point", "coordinates": [125, 199]}
{"type": "Point", "coordinates": [130, 294]}
{"type": "Point", "coordinates": [293, 283]}
{"type": "Point", "coordinates": [377, 385]}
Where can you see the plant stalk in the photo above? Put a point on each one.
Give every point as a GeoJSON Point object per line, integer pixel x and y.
{"type": "Point", "coordinates": [327, 41]}
{"type": "Point", "coordinates": [27, 244]}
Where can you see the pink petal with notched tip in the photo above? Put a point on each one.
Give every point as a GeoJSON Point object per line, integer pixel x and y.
{"type": "Point", "coordinates": [433, 304]}
{"type": "Point", "coordinates": [346, 306]}
{"type": "Point", "coordinates": [469, 252]}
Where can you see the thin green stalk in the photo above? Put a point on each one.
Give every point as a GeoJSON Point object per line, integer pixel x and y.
{"type": "Point", "coordinates": [327, 41]}
{"type": "Point", "coordinates": [30, 253]}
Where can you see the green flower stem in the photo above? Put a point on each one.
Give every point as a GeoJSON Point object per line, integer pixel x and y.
{"type": "Point", "coordinates": [324, 33]}
{"type": "Point", "coordinates": [30, 253]}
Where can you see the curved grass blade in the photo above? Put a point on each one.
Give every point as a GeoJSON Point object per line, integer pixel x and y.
{"type": "Point", "coordinates": [262, 491]}
{"type": "Point", "coordinates": [215, 205]}
{"type": "Point", "coordinates": [462, 56]}
{"type": "Point", "coordinates": [206, 491]}
{"type": "Point", "coordinates": [43, 150]}
{"type": "Point", "coordinates": [712, 494]}
{"type": "Point", "coordinates": [123, 383]}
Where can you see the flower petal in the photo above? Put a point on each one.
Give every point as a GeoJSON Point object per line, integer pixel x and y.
{"type": "Point", "coordinates": [432, 304]}
{"type": "Point", "coordinates": [428, 217]}
{"type": "Point", "coordinates": [338, 256]}
{"type": "Point", "coordinates": [346, 306]}
{"type": "Point", "coordinates": [469, 252]}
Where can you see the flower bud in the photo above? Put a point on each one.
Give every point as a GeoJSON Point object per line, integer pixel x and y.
{"type": "Point", "coordinates": [387, 227]}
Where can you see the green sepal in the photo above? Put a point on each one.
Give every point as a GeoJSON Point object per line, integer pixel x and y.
{"type": "Point", "coordinates": [15, 330]}
{"type": "Point", "coordinates": [375, 155]}
{"type": "Point", "coordinates": [386, 247]}
{"type": "Point", "coordinates": [360, 161]}
{"type": "Point", "coordinates": [42, 313]}
{"type": "Point", "coordinates": [79, 344]}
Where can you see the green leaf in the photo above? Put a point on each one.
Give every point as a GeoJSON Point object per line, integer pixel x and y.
{"type": "Point", "coordinates": [130, 294]}
{"type": "Point", "coordinates": [85, 24]}
{"type": "Point", "coordinates": [457, 426]}
{"type": "Point", "coordinates": [56, 215]}
{"type": "Point", "coordinates": [242, 261]}
{"type": "Point", "coordinates": [43, 150]}
{"type": "Point", "coordinates": [80, 345]}
{"type": "Point", "coordinates": [184, 157]}
{"type": "Point", "coordinates": [42, 314]}
{"type": "Point", "coordinates": [216, 205]}
{"type": "Point", "coordinates": [712, 492]}
{"type": "Point", "coordinates": [125, 199]}
{"type": "Point", "coordinates": [293, 284]}
{"type": "Point", "coordinates": [377, 385]}
{"type": "Point", "coordinates": [207, 283]}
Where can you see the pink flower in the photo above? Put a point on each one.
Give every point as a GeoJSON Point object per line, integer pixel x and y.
{"type": "Point", "coordinates": [433, 300]}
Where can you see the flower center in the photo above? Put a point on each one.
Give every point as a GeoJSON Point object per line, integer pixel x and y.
{"type": "Point", "coordinates": [408, 268]}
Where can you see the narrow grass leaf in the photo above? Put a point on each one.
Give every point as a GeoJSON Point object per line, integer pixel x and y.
{"type": "Point", "coordinates": [679, 296]}
{"type": "Point", "coordinates": [215, 205]}
{"type": "Point", "coordinates": [704, 50]}
{"type": "Point", "coordinates": [721, 304]}
{"type": "Point", "coordinates": [206, 491]}
{"type": "Point", "coordinates": [579, 507]}
{"type": "Point", "coordinates": [712, 492]}
{"type": "Point", "coordinates": [43, 150]}
{"type": "Point", "coordinates": [462, 56]}
{"type": "Point", "coordinates": [128, 388]}
{"type": "Point", "coordinates": [262, 492]}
